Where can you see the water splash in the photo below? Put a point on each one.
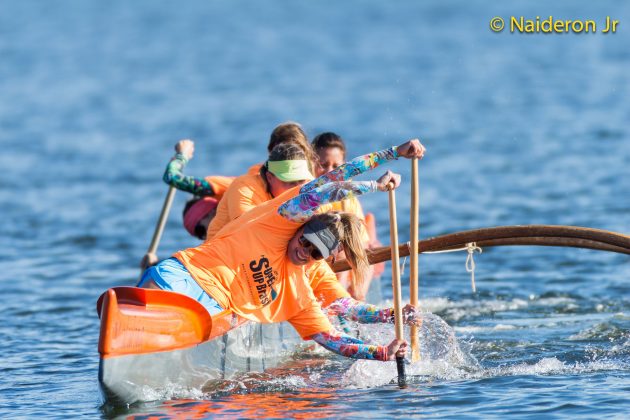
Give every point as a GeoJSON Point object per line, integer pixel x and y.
{"type": "Point", "coordinates": [444, 357]}
{"type": "Point", "coordinates": [440, 356]}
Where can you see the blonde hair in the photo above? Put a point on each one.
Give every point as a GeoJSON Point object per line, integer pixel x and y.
{"type": "Point", "coordinates": [348, 228]}
{"type": "Point", "coordinates": [291, 132]}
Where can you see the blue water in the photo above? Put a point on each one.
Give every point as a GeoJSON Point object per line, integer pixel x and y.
{"type": "Point", "coordinates": [520, 129]}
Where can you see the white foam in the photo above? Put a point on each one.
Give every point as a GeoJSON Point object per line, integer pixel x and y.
{"type": "Point", "coordinates": [555, 301]}
{"type": "Point", "coordinates": [504, 327]}
{"type": "Point", "coordinates": [473, 308]}
{"type": "Point", "coordinates": [544, 366]}
{"type": "Point", "coordinates": [470, 329]}
{"type": "Point", "coordinates": [367, 374]}
{"type": "Point", "coordinates": [170, 391]}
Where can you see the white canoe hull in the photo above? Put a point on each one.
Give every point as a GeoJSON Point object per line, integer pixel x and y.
{"type": "Point", "coordinates": [146, 375]}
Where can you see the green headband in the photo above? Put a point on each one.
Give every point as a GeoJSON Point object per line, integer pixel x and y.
{"type": "Point", "coordinates": [290, 170]}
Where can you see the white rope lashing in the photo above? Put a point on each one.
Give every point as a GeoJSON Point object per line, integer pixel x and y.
{"type": "Point", "coordinates": [402, 267]}
{"type": "Point", "coordinates": [471, 247]}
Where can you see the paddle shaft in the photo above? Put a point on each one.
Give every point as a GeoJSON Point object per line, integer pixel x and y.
{"type": "Point", "coordinates": [413, 255]}
{"type": "Point", "coordinates": [159, 228]}
{"type": "Point", "coordinates": [393, 235]}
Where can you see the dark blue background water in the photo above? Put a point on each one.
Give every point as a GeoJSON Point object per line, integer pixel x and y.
{"type": "Point", "coordinates": [520, 129]}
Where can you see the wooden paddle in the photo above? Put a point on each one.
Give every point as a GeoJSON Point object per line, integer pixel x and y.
{"type": "Point", "coordinates": [393, 235]}
{"type": "Point", "coordinates": [150, 257]}
{"type": "Point", "coordinates": [413, 256]}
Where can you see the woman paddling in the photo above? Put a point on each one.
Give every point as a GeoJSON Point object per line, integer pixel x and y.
{"type": "Point", "coordinates": [288, 165]}
{"type": "Point", "coordinates": [331, 151]}
{"type": "Point", "coordinates": [330, 294]}
{"type": "Point", "coordinates": [285, 168]}
{"type": "Point", "coordinates": [257, 266]}
{"type": "Point", "coordinates": [291, 163]}
{"type": "Point", "coordinates": [257, 186]}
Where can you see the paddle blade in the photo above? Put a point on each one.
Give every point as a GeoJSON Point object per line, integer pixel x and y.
{"type": "Point", "coordinates": [400, 367]}
{"type": "Point", "coordinates": [137, 321]}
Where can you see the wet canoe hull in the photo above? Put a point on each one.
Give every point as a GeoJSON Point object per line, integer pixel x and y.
{"type": "Point", "coordinates": [195, 349]}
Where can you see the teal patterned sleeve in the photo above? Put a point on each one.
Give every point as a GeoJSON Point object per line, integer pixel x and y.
{"type": "Point", "coordinates": [348, 346]}
{"type": "Point", "coordinates": [353, 168]}
{"type": "Point", "coordinates": [303, 206]}
{"type": "Point", "coordinates": [175, 177]}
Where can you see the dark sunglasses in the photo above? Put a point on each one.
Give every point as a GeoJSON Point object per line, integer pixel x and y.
{"type": "Point", "coordinates": [201, 231]}
{"type": "Point", "coordinates": [305, 243]}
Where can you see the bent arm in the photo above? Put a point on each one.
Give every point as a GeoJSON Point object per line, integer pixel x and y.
{"type": "Point", "coordinates": [302, 207]}
{"type": "Point", "coordinates": [347, 346]}
{"type": "Point", "coordinates": [175, 177]}
{"type": "Point", "coordinates": [353, 168]}
{"type": "Point", "coordinates": [361, 312]}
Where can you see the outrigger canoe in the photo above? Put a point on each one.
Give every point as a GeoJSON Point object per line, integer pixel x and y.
{"type": "Point", "coordinates": [153, 341]}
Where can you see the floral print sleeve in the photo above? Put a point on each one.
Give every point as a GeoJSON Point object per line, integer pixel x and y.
{"type": "Point", "coordinates": [174, 176]}
{"type": "Point", "coordinates": [348, 346]}
{"type": "Point", "coordinates": [353, 168]}
{"type": "Point", "coordinates": [334, 186]}
{"type": "Point", "coordinates": [364, 313]}
{"type": "Point", "coordinates": [302, 207]}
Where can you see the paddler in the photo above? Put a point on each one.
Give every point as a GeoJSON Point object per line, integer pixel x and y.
{"type": "Point", "coordinates": [331, 152]}
{"type": "Point", "coordinates": [288, 162]}
{"type": "Point", "coordinates": [257, 266]}
{"type": "Point", "coordinates": [285, 168]}
{"type": "Point", "coordinates": [258, 185]}
{"type": "Point", "coordinates": [291, 163]}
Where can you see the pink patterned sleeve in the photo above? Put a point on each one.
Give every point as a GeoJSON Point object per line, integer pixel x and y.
{"type": "Point", "coordinates": [303, 206]}
{"type": "Point", "coordinates": [335, 186]}
{"type": "Point", "coordinates": [348, 346]}
{"type": "Point", "coordinates": [353, 168]}
{"type": "Point", "coordinates": [361, 312]}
